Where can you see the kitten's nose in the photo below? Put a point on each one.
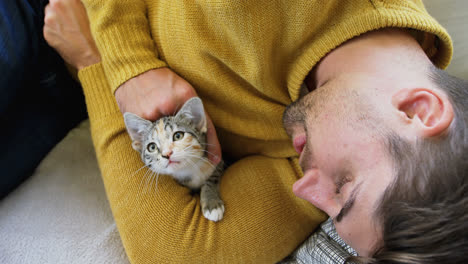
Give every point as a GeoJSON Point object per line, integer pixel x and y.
{"type": "Point", "coordinates": [166, 154]}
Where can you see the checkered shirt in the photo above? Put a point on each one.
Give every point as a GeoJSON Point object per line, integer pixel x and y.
{"type": "Point", "coordinates": [324, 246]}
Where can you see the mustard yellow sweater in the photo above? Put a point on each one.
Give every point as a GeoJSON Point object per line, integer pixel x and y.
{"type": "Point", "coordinates": [247, 60]}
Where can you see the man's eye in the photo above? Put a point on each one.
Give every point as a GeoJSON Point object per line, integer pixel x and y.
{"type": "Point", "coordinates": [151, 147]}
{"type": "Point", "coordinates": [178, 136]}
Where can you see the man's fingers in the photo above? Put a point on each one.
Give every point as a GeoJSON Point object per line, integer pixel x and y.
{"type": "Point", "coordinates": [213, 147]}
{"type": "Point", "coordinates": [50, 20]}
{"type": "Point", "coordinates": [50, 17]}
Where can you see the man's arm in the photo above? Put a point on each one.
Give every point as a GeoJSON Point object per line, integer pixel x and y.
{"type": "Point", "coordinates": [139, 80]}
{"type": "Point", "coordinates": [122, 34]}
{"type": "Point", "coordinates": [264, 221]}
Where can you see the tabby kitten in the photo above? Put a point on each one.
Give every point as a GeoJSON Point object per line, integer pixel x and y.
{"type": "Point", "coordinates": [175, 145]}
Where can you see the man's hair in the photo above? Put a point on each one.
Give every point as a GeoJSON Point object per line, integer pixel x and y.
{"type": "Point", "coordinates": [424, 212]}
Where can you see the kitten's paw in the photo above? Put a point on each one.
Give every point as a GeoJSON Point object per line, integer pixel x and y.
{"type": "Point", "coordinates": [213, 210]}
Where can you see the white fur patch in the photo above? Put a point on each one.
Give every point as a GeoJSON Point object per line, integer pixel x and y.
{"type": "Point", "coordinates": [214, 215]}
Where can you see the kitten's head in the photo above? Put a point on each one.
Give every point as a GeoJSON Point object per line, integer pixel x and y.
{"type": "Point", "coordinates": [172, 144]}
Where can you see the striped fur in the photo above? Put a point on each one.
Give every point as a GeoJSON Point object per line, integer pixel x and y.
{"type": "Point", "coordinates": [176, 146]}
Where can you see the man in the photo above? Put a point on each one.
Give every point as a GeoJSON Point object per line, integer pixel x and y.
{"type": "Point", "coordinates": [383, 143]}
{"type": "Point", "coordinates": [372, 86]}
{"type": "Point", "coordinates": [35, 110]}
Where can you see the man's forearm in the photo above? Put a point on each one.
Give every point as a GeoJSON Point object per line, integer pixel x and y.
{"type": "Point", "coordinates": [123, 37]}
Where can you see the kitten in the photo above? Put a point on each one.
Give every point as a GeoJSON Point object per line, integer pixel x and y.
{"type": "Point", "coordinates": [175, 145]}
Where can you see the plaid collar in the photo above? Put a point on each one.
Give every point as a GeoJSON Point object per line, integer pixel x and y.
{"type": "Point", "coordinates": [324, 246]}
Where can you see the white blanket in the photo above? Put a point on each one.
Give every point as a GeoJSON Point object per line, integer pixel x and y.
{"type": "Point", "coordinates": [61, 214]}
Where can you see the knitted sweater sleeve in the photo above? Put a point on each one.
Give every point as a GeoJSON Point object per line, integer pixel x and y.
{"type": "Point", "coordinates": [160, 221]}
{"type": "Point", "coordinates": [122, 33]}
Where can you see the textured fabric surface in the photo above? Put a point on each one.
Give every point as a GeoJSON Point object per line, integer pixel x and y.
{"type": "Point", "coordinates": [250, 57]}
{"type": "Point", "coordinates": [324, 246]}
{"type": "Point", "coordinates": [38, 230]}
{"type": "Point", "coordinates": [264, 221]}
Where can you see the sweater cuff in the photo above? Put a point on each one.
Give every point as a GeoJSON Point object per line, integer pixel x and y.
{"type": "Point", "coordinates": [125, 72]}
{"type": "Point", "coordinates": [125, 62]}
{"type": "Point", "coordinates": [99, 99]}
{"type": "Point", "coordinates": [123, 36]}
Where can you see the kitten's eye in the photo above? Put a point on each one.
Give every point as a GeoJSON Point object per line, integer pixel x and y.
{"type": "Point", "coordinates": [178, 136]}
{"type": "Point", "coordinates": [151, 147]}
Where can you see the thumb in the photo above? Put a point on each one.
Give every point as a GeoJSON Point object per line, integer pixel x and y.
{"type": "Point", "coordinates": [213, 146]}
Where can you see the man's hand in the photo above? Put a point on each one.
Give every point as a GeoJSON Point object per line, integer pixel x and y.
{"type": "Point", "coordinates": [67, 30]}
{"type": "Point", "coordinates": [154, 93]}
{"type": "Point", "coordinates": [151, 95]}
{"type": "Point", "coordinates": [161, 92]}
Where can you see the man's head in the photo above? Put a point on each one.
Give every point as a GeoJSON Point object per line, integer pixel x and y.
{"type": "Point", "coordinates": [372, 103]}
{"type": "Point", "coordinates": [424, 212]}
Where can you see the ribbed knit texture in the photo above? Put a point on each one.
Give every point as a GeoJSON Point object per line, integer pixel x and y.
{"type": "Point", "coordinates": [247, 60]}
{"type": "Point", "coordinates": [263, 221]}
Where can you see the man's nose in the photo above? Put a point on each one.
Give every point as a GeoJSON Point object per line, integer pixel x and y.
{"type": "Point", "coordinates": [318, 190]}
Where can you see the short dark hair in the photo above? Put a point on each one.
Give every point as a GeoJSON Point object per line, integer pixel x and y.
{"type": "Point", "coordinates": [424, 212]}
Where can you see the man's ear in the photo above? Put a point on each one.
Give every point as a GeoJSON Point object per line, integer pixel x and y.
{"type": "Point", "coordinates": [430, 111]}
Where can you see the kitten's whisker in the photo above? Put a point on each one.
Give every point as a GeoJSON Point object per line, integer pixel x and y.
{"type": "Point", "coordinates": [129, 177]}
{"type": "Point", "coordinates": [186, 148]}
{"type": "Point", "coordinates": [194, 165]}
{"type": "Point", "coordinates": [155, 176]}
{"type": "Point", "coordinates": [205, 151]}
{"type": "Point", "coordinates": [157, 179]}
{"type": "Point", "coordinates": [140, 189]}
{"type": "Point", "coordinates": [142, 167]}
{"type": "Point", "coordinates": [206, 144]}
{"type": "Point", "coordinates": [207, 161]}
{"type": "Point", "coordinates": [152, 179]}
{"type": "Point", "coordinates": [191, 154]}
{"type": "Point", "coordinates": [212, 154]}
{"type": "Point", "coordinates": [202, 159]}
{"type": "Point", "coordinates": [187, 154]}
{"type": "Point", "coordinates": [148, 176]}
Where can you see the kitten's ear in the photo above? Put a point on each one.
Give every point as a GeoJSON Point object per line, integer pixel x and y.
{"type": "Point", "coordinates": [193, 110]}
{"type": "Point", "coordinates": [137, 128]}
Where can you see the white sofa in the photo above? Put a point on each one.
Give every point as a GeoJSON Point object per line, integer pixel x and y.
{"type": "Point", "coordinates": [61, 214]}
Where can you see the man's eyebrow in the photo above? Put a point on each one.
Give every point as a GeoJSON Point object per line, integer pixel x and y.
{"type": "Point", "coordinates": [348, 204]}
